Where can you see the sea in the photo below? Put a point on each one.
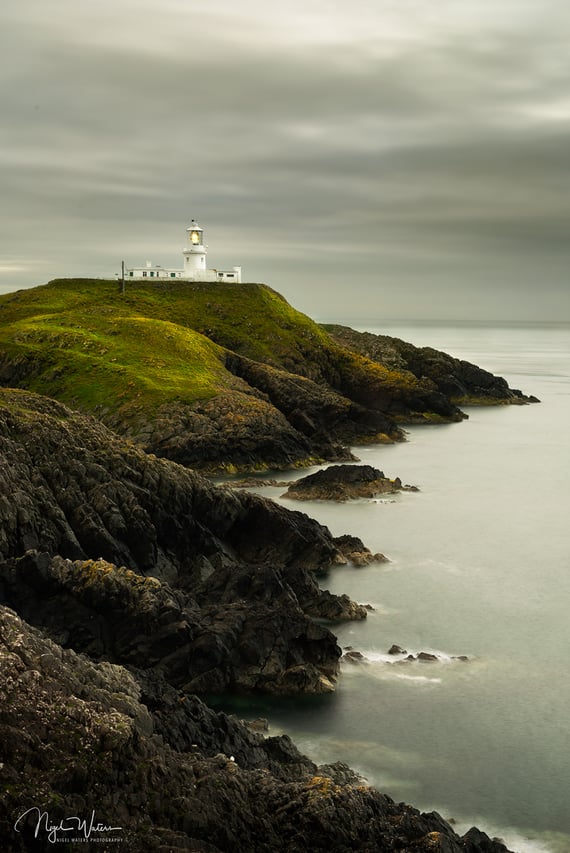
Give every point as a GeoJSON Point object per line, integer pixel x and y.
{"type": "Point", "coordinates": [479, 567]}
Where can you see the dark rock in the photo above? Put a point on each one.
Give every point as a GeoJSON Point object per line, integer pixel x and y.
{"type": "Point", "coordinates": [230, 569]}
{"type": "Point", "coordinates": [354, 550]}
{"type": "Point", "coordinates": [481, 842]}
{"type": "Point", "coordinates": [259, 725]}
{"type": "Point", "coordinates": [396, 650]}
{"type": "Point", "coordinates": [319, 410]}
{"type": "Point", "coordinates": [79, 491]}
{"type": "Point", "coordinates": [215, 641]}
{"type": "Point", "coordinates": [353, 656]}
{"type": "Point", "coordinates": [440, 374]}
{"type": "Point", "coordinates": [320, 603]}
{"type": "Point", "coordinates": [76, 737]}
{"type": "Point", "coordinates": [235, 430]}
{"type": "Point", "coordinates": [426, 656]}
{"type": "Point", "coordinates": [253, 483]}
{"type": "Point", "coordinates": [344, 482]}
{"type": "Point", "coordinates": [348, 544]}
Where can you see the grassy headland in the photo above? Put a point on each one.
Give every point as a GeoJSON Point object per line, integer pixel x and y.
{"type": "Point", "coordinates": [173, 358]}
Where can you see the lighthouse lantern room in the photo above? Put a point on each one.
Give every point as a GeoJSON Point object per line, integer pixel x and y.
{"type": "Point", "coordinates": [194, 263]}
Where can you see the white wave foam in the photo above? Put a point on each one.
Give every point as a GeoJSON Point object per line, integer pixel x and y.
{"type": "Point", "coordinates": [419, 679]}
{"type": "Point", "coordinates": [404, 658]}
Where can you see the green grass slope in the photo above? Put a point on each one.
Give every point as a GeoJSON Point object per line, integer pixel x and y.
{"type": "Point", "coordinates": [251, 317]}
{"type": "Point", "coordinates": [96, 357]}
{"type": "Point", "coordinates": [89, 345]}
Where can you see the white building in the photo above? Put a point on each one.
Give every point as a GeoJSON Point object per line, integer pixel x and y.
{"type": "Point", "coordinates": [194, 263]}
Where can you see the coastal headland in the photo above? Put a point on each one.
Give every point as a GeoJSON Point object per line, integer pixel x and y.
{"type": "Point", "coordinates": [132, 587]}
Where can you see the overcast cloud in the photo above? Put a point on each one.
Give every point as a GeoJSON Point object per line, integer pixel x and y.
{"type": "Point", "coordinates": [382, 159]}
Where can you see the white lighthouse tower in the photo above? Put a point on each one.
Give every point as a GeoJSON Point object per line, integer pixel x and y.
{"type": "Point", "coordinates": [194, 263]}
{"type": "Point", "coordinates": [195, 252]}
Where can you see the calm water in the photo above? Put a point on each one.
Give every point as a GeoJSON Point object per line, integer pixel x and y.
{"type": "Point", "coordinates": [480, 566]}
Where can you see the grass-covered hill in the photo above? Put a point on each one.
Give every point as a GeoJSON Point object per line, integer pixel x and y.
{"type": "Point", "coordinates": [211, 375]}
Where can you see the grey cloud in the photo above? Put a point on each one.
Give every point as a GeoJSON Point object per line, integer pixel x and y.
{"type": "Point", "coordinates": [424, 158]}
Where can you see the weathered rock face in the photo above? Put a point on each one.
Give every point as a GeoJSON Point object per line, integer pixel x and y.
{"type": "Point", "coordinates": [458, 380]}
{"type": "Point", "coordinates": [248, 635]}
{"type": "Point", "coordinates": [78, 490]}
{"type": "Point", "coordinates": [233, 430]}
{"type": "Point", "coordinates": [345, 482]}
{"type": "Point", "coordinates": [316, 409]}
{"type": "Point", "coordinates": [225, 606]}
{"type": "Point", "coordinates": [171, 774]}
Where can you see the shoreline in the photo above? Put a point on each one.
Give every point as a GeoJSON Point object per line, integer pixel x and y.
{"type": "Point", "coordinates": [150, 636]}
{"type": "Point", "coordinates": [189, 587]}
{"type": "Point", "coordinates": [538, 839]}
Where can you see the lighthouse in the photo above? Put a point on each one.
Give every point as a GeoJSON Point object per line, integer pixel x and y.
{"type": "Point", "coordinates": [195, 251]}
{"type": "Point", "coordinates": [195, 269]}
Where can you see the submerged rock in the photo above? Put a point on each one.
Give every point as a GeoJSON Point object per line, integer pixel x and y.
{"type": "Point", "coordinates": [353, 655]}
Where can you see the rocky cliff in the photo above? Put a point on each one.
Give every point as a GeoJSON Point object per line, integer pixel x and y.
{"type": "Point", "coordinates": [91, 753]}
{"type": "Point", "coordinates": [150, 584]}
{"type": "Point", "coordinates": [218, 377]}
{"type": "Point", "coordinates": [458, 380]}
{"type": "Point", "coordinates": [226, 606]}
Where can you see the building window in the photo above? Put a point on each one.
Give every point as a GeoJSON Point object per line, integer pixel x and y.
{"type": "Point", "coordinates": [131, 274]}
{"type": "Point", "coordinates": [144, 274]}
{"type": "Point", "coordinates": [172, 275]}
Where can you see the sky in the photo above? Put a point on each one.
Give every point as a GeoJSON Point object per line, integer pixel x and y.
{"type": "Point", "coordinates": [371, 160]}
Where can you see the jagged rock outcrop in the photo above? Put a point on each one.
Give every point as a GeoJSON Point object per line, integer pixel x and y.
{"type": "Point", "coordinates": [230, 596]}
{"type": "Point", "coordinates": [230, 431]}
{"type": "Point", "coordinates": [69, 486]}
{"type": "Point", "coordinates": [314, 408]}
{"type": "Point", "coordinates": [345, 482]}
{"type": "Point", "coordinates": [82, 753]}
{"type": "Point", "coordinates": [249, 635]}
{"type": "Point", "coordinates": [458, 380]}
